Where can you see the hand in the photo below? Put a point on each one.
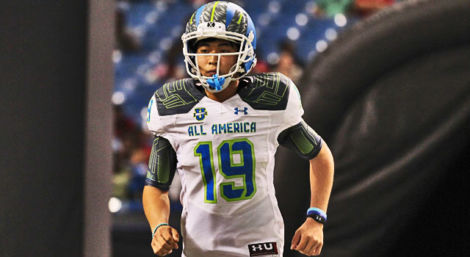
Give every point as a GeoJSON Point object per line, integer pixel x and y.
{"type": "Point", "coordinates": [165, 240]}
{"type": "Point", "coordinates": [308, 239]}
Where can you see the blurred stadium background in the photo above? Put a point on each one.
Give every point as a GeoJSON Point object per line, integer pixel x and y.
{"type": "Point", "coordinates": [385, 82]}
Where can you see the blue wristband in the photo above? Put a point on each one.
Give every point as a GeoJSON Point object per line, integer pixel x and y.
{"type": "Point", "coordinates": [317, 214]}
{"type": "Point", "coordinates": [159, 225]}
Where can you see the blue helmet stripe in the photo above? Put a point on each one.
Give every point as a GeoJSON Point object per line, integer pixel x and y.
{"type": "Point", "coordinates": [230, 14]}
{"type": "Point", "coordinates": [198, 14]}
{"type": "Point", "coordinates": [251, 27]}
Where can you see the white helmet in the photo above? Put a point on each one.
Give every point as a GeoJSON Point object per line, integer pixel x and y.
{"type": "Point", "coordinates": [226, 21]}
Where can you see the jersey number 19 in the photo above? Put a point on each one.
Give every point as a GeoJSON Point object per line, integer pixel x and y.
{"type": "Point", "coordinates": [229, 168]}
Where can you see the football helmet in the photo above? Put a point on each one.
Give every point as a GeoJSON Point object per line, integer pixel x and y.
{"type": "Point", "coordinates": [226, 21]}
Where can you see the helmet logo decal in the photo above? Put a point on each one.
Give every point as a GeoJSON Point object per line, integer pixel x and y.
{"type": "Point", "coordinates": [211, 27]}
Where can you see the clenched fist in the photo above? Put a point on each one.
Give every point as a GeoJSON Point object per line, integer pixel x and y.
{"type": "Point", "coordinates": [165, 240]}
{"type": "Point", "coordinates": [308, 239]}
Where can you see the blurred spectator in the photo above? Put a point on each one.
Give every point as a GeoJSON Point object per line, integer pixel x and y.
{"type": "Point", "coordinates": [289, 64]}
{"type": "Point", "coordinates": [131, 150]}
{"type": "Point", "coordinates": [172, 69]}
{"type": "Point", "coordinates": [122, 123]}
{"type": "Point", "coordinates": [197, 3]}
{"type": "Point", "coordinates": [261, 67]}
{"type": "Point", "coordinates": [261, 64]}
{"type": "Point", "coordinates": [367, 7]}
{"type": "Point", "coordinates": [138, 166]}
{"type": "Point", "coordinates": [125, 40]}
{"type": "Point", "coordinates": [331, 7]}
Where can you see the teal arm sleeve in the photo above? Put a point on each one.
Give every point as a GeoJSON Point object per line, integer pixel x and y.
{"type": "Point", "coordinates": [162, 164]}
{"type": "Point", "coordinates": [302, 139]}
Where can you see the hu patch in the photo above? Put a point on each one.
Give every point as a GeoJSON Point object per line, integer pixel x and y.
{"type": "Point", "coordinates": [200, 113]}
{"type": "Point", "coordinates": [263, 249]}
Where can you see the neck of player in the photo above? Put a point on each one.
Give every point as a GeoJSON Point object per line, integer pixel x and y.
{"type": "Point", "coordinates": [225, 94]}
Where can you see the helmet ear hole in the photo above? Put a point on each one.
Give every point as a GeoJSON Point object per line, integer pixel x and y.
{"type": "Point", "coordinates": [192, 45]}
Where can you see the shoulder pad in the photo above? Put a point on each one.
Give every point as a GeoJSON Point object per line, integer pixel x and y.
{"type": "Point", "coordinates": [267, 91]}
{"type": "Point", "coordinates": [177, 97]}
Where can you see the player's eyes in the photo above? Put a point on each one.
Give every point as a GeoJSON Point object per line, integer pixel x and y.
{"type": "Point", "coordinates": [226, 50]}
{"type": "Point", "coordinates": [206, 50]}
{"type": "Point", "coordinates": [202, 49]}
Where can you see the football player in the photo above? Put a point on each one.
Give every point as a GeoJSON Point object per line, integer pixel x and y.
{"type": "Point", "coordinates": [220, 130]}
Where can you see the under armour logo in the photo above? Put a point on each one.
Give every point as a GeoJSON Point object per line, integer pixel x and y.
{"type": "Point", "coordinates": [267, 248]}
{"type": "Point", "coordinates": [237, 110]}
{"type": "Point", "coordinates": [211, 24]}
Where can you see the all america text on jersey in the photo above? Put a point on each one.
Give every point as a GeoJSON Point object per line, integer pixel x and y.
{"type": "Point", "coordinates": [222, 128]}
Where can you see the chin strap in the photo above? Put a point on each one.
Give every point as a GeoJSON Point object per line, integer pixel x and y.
{"type": "Point", "coordinates": [215, 82]}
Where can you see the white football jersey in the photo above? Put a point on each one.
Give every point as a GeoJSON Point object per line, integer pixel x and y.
{"type": "Point", "coordinates": [225, 159]}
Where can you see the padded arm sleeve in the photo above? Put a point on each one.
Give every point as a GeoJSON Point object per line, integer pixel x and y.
{"type": "Point", "coordinates": [162, 164]}
{"type": "Point", "coordinates": [302, 139]}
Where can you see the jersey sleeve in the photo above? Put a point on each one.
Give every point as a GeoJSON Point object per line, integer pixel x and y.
{"type": "Point", "coordinates": [154, 122]}
{"type": "Point", "coordinates": [294, 111]}
{"type": "Point", "coordinates": [294, 133]}
{"type": "Point", "coordinates": [162, 164]}
{"type": "Point", "coordinates": [301, 139]}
